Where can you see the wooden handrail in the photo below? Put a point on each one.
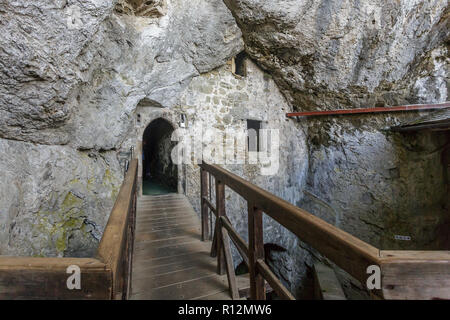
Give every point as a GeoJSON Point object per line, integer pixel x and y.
{"type": "Point", "coordinates": [115, 248]}
{"type": "Point", "coordinates": [346, 251]}
{"type": "Point", "coordinates": [46, 278]}
{"type": "Point", "coordinates": [104, 278]}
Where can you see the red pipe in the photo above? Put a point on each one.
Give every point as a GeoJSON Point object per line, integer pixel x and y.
{"type": "Point", "coordinates": [371, 110]}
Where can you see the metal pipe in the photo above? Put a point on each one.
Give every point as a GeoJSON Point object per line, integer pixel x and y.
{"type": "Point", "coordinates": [371, 110]}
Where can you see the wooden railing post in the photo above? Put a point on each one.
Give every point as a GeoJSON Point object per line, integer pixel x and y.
{"type": "Point", "coordinates": [256, 251]}
{"type": "Point", "coordinates": [204, 206]}
{"type": "Point", "coordinates": [220, 208]}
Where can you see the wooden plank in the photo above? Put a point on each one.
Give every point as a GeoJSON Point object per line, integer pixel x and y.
{"type": "Point", "coordinates": [169, 222]}
{"type": "Point", "coordinates": [186, 262]}
{"type": "Point", "coordinates": [31, 263]}
{"type": "Point", "coordinates": [46, 278]}
{"type": "Point", "coordinates": [414, 255]}
{"type": "Point", "coordinates": [152, 253]}
{"type": "Point", "coordinates": [204, 208]}
{"type": "Point", "coordinates": [237, 239]}
{"type": "Point", "coordinates": [347, 251]}
{"type": "Point", "coordinates": [214, 241]}
{"type": "Point", "coordinates": [171, 278]}
{"type": "Point", "coordinates": [163, 243]}
{"type": "Point", "coordinates": [166, 226]}
{"type": "Point", "coordinates": [415, 279]}
{"type": "Point", "coordinates": [220, 203]}
{"type": "Point", "coordinates": [231, 276]}
{"type": "Point", "coordinates": [167, 234]}
{"type": "Point", "coordinates": [274, 282]}
{"type": "Point", "coordinates": [164, 217]}
{"type": "Point", "coordinates": [152, 209]}
{"type": "Point", "coordinates": [168, 260]}
{"type": "Point", "coordinates": [161, 202]}
{"type": "Point", "coordinates": [326, 284]}
{"type": "Point", "coordinates": [256, 251]}
{"type": "Point", "coordinates": [187, 290]}
{"type": "Point", "coordinates": [182, 227]}
{"type": "Point", "coordinates": [223, 295]}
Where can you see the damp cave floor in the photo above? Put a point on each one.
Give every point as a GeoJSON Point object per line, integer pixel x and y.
{"type": "Point", "coordinates": [155, 187]}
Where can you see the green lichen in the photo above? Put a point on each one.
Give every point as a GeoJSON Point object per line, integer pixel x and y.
{"type": "Point", "coordinates": [61, 242]}
{"type": "Point", "coordinates": [59, 223]}
{"type": "Point", "coordinates": [109, 181]}
{"type": "Point", "coordinates": [71, 201]}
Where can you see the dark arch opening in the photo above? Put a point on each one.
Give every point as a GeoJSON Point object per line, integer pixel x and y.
{"type": "Point", "coordinates": [159, 173]}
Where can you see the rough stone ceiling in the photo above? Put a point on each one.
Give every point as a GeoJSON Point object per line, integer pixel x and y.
{"type": "Point", "coordinates": [144, 8]}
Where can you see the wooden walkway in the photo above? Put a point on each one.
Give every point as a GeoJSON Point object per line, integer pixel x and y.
{"type": "Point", "coordinates": [170, 261]}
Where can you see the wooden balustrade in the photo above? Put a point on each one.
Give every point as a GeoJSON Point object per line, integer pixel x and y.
{"type": "Point", "coordinates": [107, 277]}
{"type": "Point", "coordinates": [116, 245]}
{"type": "Point", "coordinates": [404, 274]}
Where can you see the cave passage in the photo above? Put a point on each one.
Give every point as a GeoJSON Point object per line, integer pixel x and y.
{"type": "Point", "coordinates": [159, 173]}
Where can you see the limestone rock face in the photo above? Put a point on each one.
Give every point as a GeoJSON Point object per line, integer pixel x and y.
{"type": "Point", "coordinates": [54, 200]}
{"type": "Point", "coordinates": [68, 62]}
{"type": "Point", "coordinates": [44, 56]}
{"type": "Point", "coordinates": [349, 53]}
{"type": "Point", "coordinates": [74, 74]}
{"type": "Point", "coordinates": [368, 181]}
{"type": "Point", "coordinates": [71, 75]}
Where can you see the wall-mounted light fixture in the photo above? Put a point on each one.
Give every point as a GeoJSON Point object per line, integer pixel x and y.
{"type": "Point", "coordinates": [183, 121]}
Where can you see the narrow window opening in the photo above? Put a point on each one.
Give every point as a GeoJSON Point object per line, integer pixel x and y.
{"type": "Point", "coordinates": [240, 65]}
{"type": "Point", "coordinates": [253, 138]}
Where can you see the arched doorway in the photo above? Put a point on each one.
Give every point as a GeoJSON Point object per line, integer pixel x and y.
{"type": "Point", "coordinates": [159, 173]}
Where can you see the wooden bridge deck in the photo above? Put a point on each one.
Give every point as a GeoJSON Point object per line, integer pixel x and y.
{"type": "Point", "coordinates": [170, 261]}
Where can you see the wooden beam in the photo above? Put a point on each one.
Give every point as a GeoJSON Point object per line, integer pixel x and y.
{"type": "Point", "coordinates": [399, 280]}
{"type": "Point", "coordinates": [204, 206]}
{"type": "Point", "coordinates": [214, 241]}
{"type": "Point", "coordinates": [371, 110]}
{"type": "Point", "coordinates": [220, 207]}
{"type": "Point", "coordinates": [46, 278]}
{"type": "Point", "coordinates": [416, 279]}
{"type": "Point", "coordinates": [326, 284]}
{"type": "Point", "coordinates": [256, 251]}
{"type": "Point", "coordinates": [231, 275]}
{"type": "Point", "coordinates": [418, 275]}
{"type": "Point", "coordinates": [237, 239]}
{"type": "Point", "coordinates": [274, 282]}
{"type": "Point", "coordinates": [112, 247]}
